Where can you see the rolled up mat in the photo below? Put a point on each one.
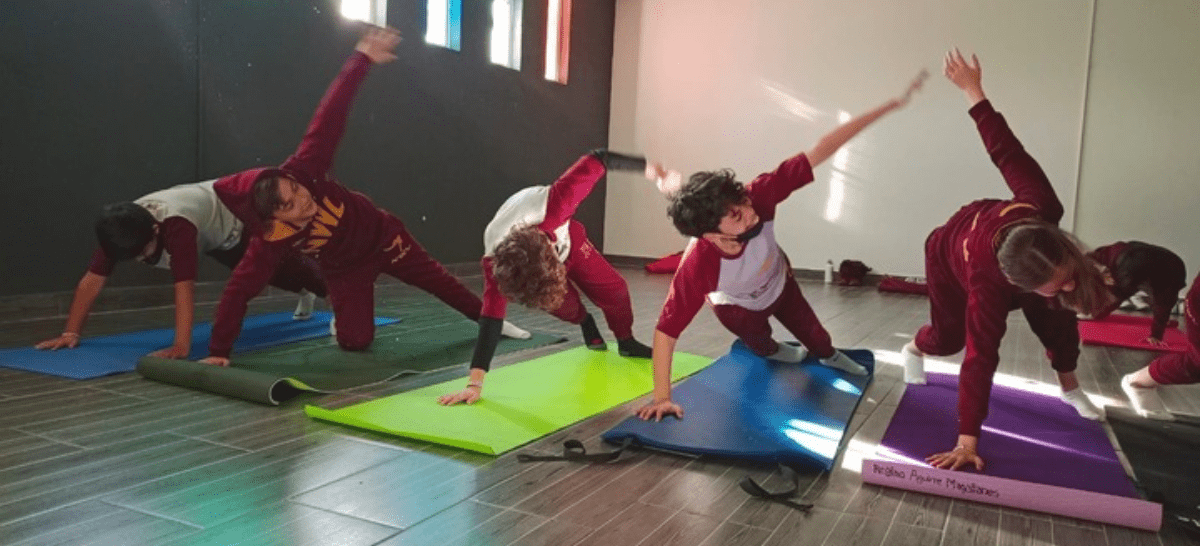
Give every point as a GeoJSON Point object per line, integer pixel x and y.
{"type": "Point", "coordinates": [322, 366]}
{"type": "Point", "coordinates": [233, 382]}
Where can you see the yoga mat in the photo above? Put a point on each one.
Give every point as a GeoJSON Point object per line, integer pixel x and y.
{"type": "Point", "coordinates": [1039, 454]}
{"type": "Point", "coordinates": [107, 355]}
{"type": "Point", "coordinates": [521, 402]}
{"type": "Point", "coordinates": [271, 376]}
{"type": "Point", "coordinates": [1130, 332]}
{"type": "Point", "coordinates": [1163, 457]}
{"type": "Point", "coordinates": [747, 407]}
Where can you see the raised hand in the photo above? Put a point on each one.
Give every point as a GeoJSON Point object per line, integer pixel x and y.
{"type": "Point", "coordinates": [964, 75]}
{"type": "Point", "coordinates": [378, 44]}
{"type": "Point", "coordinates": [917, 83]}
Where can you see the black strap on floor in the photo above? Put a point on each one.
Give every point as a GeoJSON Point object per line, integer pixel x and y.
{"type": "Point", "coordinates": [782, 497]}
{"type": "Point", "coordinates": [574, 451]}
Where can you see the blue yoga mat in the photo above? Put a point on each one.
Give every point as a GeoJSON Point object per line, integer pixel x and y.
{"type": "Point", "coordinates": [107, 355]}
{"type": "Point", "coordinates": [746, 407]}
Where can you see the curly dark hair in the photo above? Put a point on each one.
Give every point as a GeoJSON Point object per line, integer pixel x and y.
{"type": "Point", "coordinates": [123, 230]}
{"type": "Point", "coordinates": [697, 208]}
{"type": "Point", "coordinates": [528, 271]}
{"type": "Point", "coordinates": [1030, 254]}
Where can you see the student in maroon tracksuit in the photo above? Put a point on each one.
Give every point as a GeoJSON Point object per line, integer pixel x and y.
{"type": "Point", "coordinates": [168, 229]}
{"type": "Point", "coordinates": [533, 247]}
{"type": "Point", "coordinates": [1170, 368]}
{"type": "Point", "coordinates": [1134, 266]}
{"type": "Point", "coordinates": [734, 263]}
{"type": "Point", "coordinates": [299, 206]}
{"type": "Point", "coordinates": [994, 256]}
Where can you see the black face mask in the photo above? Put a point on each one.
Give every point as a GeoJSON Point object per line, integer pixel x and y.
{"type": "Point", "coordinates": [750, 233]}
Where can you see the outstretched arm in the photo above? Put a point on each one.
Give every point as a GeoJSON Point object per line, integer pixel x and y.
{"type": "Point", "coordinates": [1021, 172]}
{"type": "Point", "coordinates": [314, 157]}
{"type": "Point", "coordinates": [661, 406]}
{"type": "Point", "coordinates": [835, 139]}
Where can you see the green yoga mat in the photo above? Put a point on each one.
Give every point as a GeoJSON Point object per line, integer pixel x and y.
{"type": "Point", "coordinates": [521, 402]}
{"type": "Point", "coordinates": [277, 374]}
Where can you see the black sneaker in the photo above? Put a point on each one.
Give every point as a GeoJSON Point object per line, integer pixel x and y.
{"type": "Point", "coordinates": [633, 348]}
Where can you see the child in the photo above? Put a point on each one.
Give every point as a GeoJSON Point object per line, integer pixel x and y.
{"type": "Point", "coordinates": [300, 207]}
{"type": "Point", "coordinates": [1168, 369]}
{"type": "Point", "coordinates": [1135, 265]}
{"type": "Point", "coordinates": [532, 248]}
{"type": "Point", "coordinates": [734, 262]}
{"type": "Point", "coordinates": [993, 256]}
{"type": "Point", "coordinates": [167, 229]}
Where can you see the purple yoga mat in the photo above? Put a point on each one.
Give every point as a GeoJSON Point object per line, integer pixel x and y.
{"type": "Point", "coordinates": [1039, 454]}
{"type": "Point", "coordinates": [1027, 436]}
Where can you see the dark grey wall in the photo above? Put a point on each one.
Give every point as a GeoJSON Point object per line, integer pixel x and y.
{"type": "Point", "coordinates": [112, 99]}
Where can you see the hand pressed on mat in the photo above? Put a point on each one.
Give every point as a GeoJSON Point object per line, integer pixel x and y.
{"type": "Point", "coordinates": [660, 409]}
{"type": "Point", "coordinates": [215, 361]}
{"type": "Point", "coordinates": [960, 456]}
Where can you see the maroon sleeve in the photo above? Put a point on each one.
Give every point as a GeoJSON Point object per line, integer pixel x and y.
{"type": "Point", "coordinates": [770, 189]}
{"type": "Point", "coordinates": [1021, 172]}
{"type": "Point", "coordinates": [495, 305]}
{"type": "Point", "coordinates": [100, 263]}
{"type": "Point", "coordinates": [314, 157]}
{"type": "Point", "coordinates": [178, 236]}
{"type": "Point", "coordinates": [695, 278]}
{"type": "Point", "coordinates": [571, 188]}
{"type": "Point", "coordinates": [1056, 328]}
{"type": "Point", "coordinates": [987, 313]}
{"type": "Point", "coordinates": [249, 278]}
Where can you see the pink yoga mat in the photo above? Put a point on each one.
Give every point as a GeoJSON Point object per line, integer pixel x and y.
{"type": "Point", "coordinates": [1039, 455]}
{"type": "Point", "coordinates": [1130, 332]}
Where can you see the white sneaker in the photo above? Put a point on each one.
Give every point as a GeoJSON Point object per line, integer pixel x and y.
{"type": "Point", "coordinates": [1082, 404]}
{"type": "Point", "coordinates": [789, 353]}
{"type": "Point", "coordinates": [914, 366]}
{"type": "Point", "coordinates": [304, 307]}
{"type": "Point", "coordinates": [1145, 400]}
{"type": "Point", "coordinates": [840, 361]}
{"type": "Point", "coordinates": [511, 330]}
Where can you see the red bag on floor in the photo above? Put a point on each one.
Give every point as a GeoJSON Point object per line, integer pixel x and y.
{"type": "Point", "coordinates": [666, 264]}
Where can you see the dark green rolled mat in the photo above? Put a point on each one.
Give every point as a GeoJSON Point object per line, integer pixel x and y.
{"type": "Point", "coordinates": [279, 373]}
{"type": "Point", "coordinates": [234, 382]}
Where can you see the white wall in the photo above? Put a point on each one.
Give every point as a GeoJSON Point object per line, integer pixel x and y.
{"type": "Point", "coordinates": [703, 84]}
{"type": "Point", "coordinates": [1141, 147]}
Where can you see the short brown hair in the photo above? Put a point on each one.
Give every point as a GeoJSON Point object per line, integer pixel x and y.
{"type": "Point", "coordinates": [266, 197]}
{"type": "Point", "coordinates": [1030, 254]}
{"type": "Point", "coordinates": [528, 271]}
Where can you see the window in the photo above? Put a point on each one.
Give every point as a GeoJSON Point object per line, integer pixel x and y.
{"type": "Point", "coordinates": [443, 23]}
{"type": "Point", "coordinates": [558, 40]}
{"type": "Point", "coordinates": [371, 11]}
{"type": "Point", "coordinates": [506, 33]}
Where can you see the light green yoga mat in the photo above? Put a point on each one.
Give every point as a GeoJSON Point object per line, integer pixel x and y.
{"type": "Point", "coordinates": [521, 402]}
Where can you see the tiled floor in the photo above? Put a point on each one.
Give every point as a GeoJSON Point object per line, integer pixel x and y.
{"type": "Point", "coordinates": [122, 460]}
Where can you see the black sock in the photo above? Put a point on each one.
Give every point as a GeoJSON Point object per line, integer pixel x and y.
{"type": "Point", "coordinates": [591, 334]}
{"type": "Point", "coordinates": [633, 348]}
